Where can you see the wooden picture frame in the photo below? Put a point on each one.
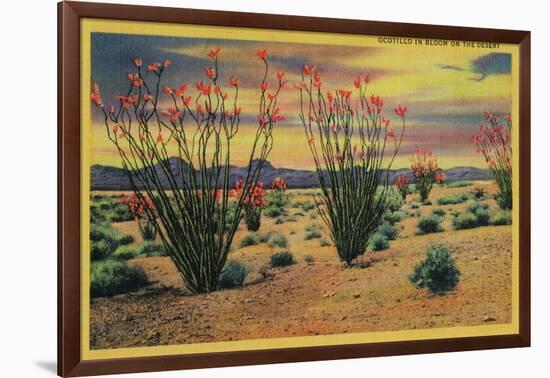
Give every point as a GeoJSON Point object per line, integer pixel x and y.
{"type": "Point", "coordinates": [70, 362]}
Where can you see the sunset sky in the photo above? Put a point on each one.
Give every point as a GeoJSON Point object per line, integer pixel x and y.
{"type": "Point", "coordinates": [446, 90]}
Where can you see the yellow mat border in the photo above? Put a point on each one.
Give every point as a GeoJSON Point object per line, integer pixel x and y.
{"type": "Point", "coordinates": [163, 29]}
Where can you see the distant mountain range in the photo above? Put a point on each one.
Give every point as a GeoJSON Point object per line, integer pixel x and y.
{"type": "Point", "coordinates": [113, 178]}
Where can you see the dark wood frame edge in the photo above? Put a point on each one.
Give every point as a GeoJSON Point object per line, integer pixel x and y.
{"type": "Point", "coordinates": [69, 362]}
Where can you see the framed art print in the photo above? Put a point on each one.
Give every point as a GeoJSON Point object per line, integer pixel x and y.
{"type": "Point", "coordinates": [240, 188]}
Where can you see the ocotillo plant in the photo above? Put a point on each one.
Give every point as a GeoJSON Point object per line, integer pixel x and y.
{"type": "Point", "coordinates": [253, 203]}
{"type": "Point", "coordinates": [143, 211]}
{"type": "Point", "coordinates": [348, 141]}
{"type": "Point", "coordinates": [190, 196]}
{"type": "Point", "coordinates": [402, 185]}
{"type": "Point", "coordinates": [494, 142]}
{"type": "Point", "coordinates": [425, 169]}
{"type": "Point", "coordinates": [279, 184]}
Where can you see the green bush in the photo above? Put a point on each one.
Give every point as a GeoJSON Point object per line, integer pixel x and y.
{"type": "Point", "coordinates": [393, 217]}
{"type": "Point", "coordinates": [151, 249]}
{"type": "Point", "coordinates": [465, 220]}
{"type": "Point", "coordinates": [482, 213]}
{"type": "Point", "coordinates": [428, 225]}
{"type": "Point", "coordinates": [282, 259]}
{"type": "Point", "coordinates": [277, 198]}
{"type": "Point", "coordinates": [437, 272]}
{"type": "Point", "coordinates": [232, 275]}
{"type": "Point", "coordinates": [273, 211]}
{"type": "Point", "coordinates": [312, 232]}
{"type": "Point", "coordinates": [104, 232]}
{"type": "Point", "coordinates": [476, 215]}
{"type": "Point", "coordinates": [125, 252]}
{"type": "Point", "coordinates": [439, 212]}
{"type": "Point", "coordinates": [453, 199]}
{"type": "Point", "coordinates": [379, 242]}
{"type": "Point", "coordinates": [250, 239]}
{"type": "Point", "coordinates": [126, 239]}
{"type": "Point", "coordinates": [110, 277]}
{"type": "Point", "coordinates": [307, 206]}
{"type": "Point", "coordinates": [394, 200]}
{"type": "Point", "coordinates": [501, 218]}
{"type": "Point", "coordinates": [324, 242]}
{"type": "Point", "coordinates": [100, 250]}
{"type": "Point", "coordinates": [147, 230]}
{"type": "Point", "coordinates": [388, 231]}
{"type": "Point", "coordinates": [277, 240]}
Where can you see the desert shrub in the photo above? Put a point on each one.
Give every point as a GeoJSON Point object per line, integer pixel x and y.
{"type": "Point", "coordinates": [388, 231]}
{"type": "Point", "coordinates": [277, 240]}
{"type": "Point", "coordinates": [313, 215]}
{"type": "Point", "coordinates": [103, 232]}
{"type": "Point", "coordinates": [96, 214]}
{"type": "Point", "coordinates": [125, 252]}
{"type": "Point", "coordinates": [465, 220]}
{"type": "Point", "coordinates": [147, 230]}
{"type": "Point", "coordinates": [437, 272]}
{"type": "Point", "coordinates": [291, 218]}
{"type": "Point", "coordinates": [251, 239]}
{"type": "Point", "coordinates": [232, 275]}
{"type": "Point", "coordinates": [394, 200]}
{"type": "Point", "coordinates": [312, 232]}
{"type": "Point", "coordinates": [120, 212]}
{"type": "Point", "coordinates": [279, 220]}
{"type": "Point", "coordinates": [324, 242]}
{"type": "Point", "coordinates": [273, 211]}
{"type": "Point", "coordinates": [428, 225]}
{"type": "Point", "coordinates": [309, 259]}
{"type": "Point", "coordinates": [393, 217]}
{"type": "Point", "coordinates": [477, 192]}
{"type": "Point", "coordinates": [277, 198]}
{"type": "Point", "coordinates": [307, 206]}
{"type": "Point", "coordinates": [439, 212]}
{"type": "Point", "coordinates": [150, 249]}
{"type": "Point", "coordinates": [299, 214]}
{"type": "Point", "coordinates": [482, 213]}
{"type": "Point", "coordinates": [100, 250]}
{"type": "Point", "coordinates": [459, 184]}
{"type": "Point", "coordinates": [379, 242]}
{"type": "Point", "coordinates": [501, 218]}
{"type": "Point", "coordinates": [264, 237]}
{"type": "Point", "coordinates": [110, 277]}
{"type": "Point", "coordinates": [453, 199]}
{"type": "Point", "coordinates": [282, 259]}
{"type": "Point", "coordinates": [126, 239]}
{"type": "Point", "coordinates": [475, 215]}
{"type": "Point", "coordinates": [415, 205]}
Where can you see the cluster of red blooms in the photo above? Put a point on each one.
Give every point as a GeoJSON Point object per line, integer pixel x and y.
{"type": "Point", "coordinates": [255, 193]}
{"type": "Point", "coordinates": [493, 141]}
{"type": "Point", "coordinates": [402, 183]}
{"type": "Point", "coordinates": [424, 163]}
{"type": "Point", "coordinates": [373, 107]}
{"type": "Point", "coordinates": [440, 178]}
{"type": "Point", "coordinates": [138, 207]}
{"type": "Point", "coordinates": [279, 184]}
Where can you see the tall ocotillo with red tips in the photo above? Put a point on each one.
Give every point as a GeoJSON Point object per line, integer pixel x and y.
{"type": "Point", "coordinates": [353, 146]}
{"type": "Point", "coordinates": [190, 198]}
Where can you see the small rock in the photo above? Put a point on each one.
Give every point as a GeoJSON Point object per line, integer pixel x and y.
{"type": "Point", "coordinates": [488, 318]}
{"type": "Point", "coordinates": [356, 295]}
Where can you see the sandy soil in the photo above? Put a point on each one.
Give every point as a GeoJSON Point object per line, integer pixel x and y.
{"type": "Point", "coordinates": [322, 297]}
